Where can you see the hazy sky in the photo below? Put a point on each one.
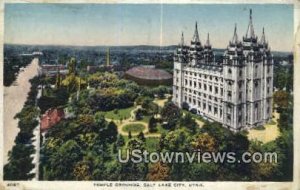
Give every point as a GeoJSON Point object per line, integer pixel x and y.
{"type": "Point", "coordinates": [136, 24]}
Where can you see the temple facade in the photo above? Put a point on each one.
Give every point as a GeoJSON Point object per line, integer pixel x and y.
{"type": "Point", "coordinates": [237, 91]}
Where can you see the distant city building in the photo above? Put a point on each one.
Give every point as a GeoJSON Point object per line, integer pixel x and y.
{"type": "Point", "coordinates": [148, 75]}
{"type": "Point", "coordinates": [37, 53]}
{"type": "Point", "coordinates": [52, 70]}
{"type": "Point", "coordinates": [50, 118]}
{"type": "Point", "coordinates": [237, 92]}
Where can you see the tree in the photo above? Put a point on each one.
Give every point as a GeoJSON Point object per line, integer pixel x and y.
{"type": "Point", "coordinates": [280, 77]}
{"type": "Point", "coordinates": [111, 132]}
{"type": "Point", "coordinates": [72, 66]}
{"type": "Point", "coordinates": [170, 114]}
{"type": "Point", "coordinates": [20, 163]}
{"type": "Point", "coordinates": [82, 171]}
{"type": "Point", "coordinates": [281, 98]}
{"type": "Point", "coordinates": [152, 125]}
{"type": "Point", "coordinates": [141, 136]}
{"type": "Point", "coordinates": [62, 163]}
{"type": "Point", "coordinates": [177, 140]}
{"type": "Point", "coordinates": [146, 103]}
{"type": "Point", "coordinates": [58, 79]}
{"type": "Point", "coordinates": [134, 144]}
{"type": "Point", "coordinates": [129, 135]}
{"type": "Point", "coordinates": [188, 122]}
{"type": "Point", "coordinates": [158, 172]}
{"type": "Point", "coordinates": [138, 114]}
{"type": "Point", "coordinates": [120, 140]}
{"type": "Point", "coordinates": [204, 142]}
{"type": "Point", "coordinates": [87, 123]}
{"type": "Point", "coordinates": [201, 172]}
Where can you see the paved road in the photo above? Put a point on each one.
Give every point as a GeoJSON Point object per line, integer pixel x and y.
{"type": "Point", "coordinates": [14, 99]}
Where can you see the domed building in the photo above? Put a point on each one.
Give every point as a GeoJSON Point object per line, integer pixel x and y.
{"type": "Point", "coordinates": [149, 75]}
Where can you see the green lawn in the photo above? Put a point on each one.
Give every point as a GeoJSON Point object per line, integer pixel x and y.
{"type": "Point", "coordinates": [160, 129]}
{"type": "Point", "coordinates": [118, 114]}
{"type": "Point", "coordinates": [152, 144]}
{"type": "Point", "coordinates": [146, 119]}
{"type": "Point", "coordinates": [134, 128]}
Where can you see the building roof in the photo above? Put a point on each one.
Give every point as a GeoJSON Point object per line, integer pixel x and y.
{"type": "Point", "coordinates": [51, 117]}
{"type": "Point", "coordinates": [148, 73]}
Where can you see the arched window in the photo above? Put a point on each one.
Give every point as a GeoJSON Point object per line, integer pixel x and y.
{"type": "Point", "coordinates": [256, 70]}
{"type": "Point", "coordinates": [229, 71]}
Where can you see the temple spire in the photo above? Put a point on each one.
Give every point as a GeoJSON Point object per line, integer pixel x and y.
{"type": "Point", "coordinates": [196, 34]}
{"type": "Point", "coordinates": [235, 39]}
{"type": "Point", "coordinates": [207, 41]}
{"type": "Point", "coordinates": [263, 37]}
{"type": "Point", "coordinates": [182, 40]}
{"type": "Point", "coordinates": [250, 30]}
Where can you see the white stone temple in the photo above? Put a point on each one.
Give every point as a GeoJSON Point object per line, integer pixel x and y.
{"type": "Point", "coordinates": [236, 92]}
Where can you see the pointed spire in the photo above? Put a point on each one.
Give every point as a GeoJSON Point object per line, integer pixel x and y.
{"type": "Point", "coordinates": [263, 37]}
{"type": "Point", "coordinates": [235, 39]}
{"type": "Point", "coordinates": [182, 40]}
{"type": "Point", "coordinates": [250, 30]}
{"type": "Point", "coordinates": [196, 34]}
{"type": "Point", "coordinates": [207, 41]}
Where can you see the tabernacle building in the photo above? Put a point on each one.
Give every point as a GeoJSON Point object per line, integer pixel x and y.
{"type": "Point", "coordinates": [236, 92]}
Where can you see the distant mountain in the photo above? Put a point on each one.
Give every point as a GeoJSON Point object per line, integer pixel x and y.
{"type": "Point", "coordinates": [134, 48]}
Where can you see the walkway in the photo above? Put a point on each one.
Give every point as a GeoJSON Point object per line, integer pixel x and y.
{"type": "Point", "coordinates": [14, 99]}
{"type": "Point", "coordinates": [131, 120]}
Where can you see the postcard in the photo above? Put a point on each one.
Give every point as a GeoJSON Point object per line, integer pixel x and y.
{"type": "Point", "coordinates": [181, 95]}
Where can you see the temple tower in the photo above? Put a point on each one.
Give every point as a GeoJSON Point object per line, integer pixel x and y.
{"type": "Point", "coordinates": [180, 60]}
{"type": "Point", "coordinates": [234, 85]}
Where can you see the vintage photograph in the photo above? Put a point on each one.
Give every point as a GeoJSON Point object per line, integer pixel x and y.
{"type": "Point", "coordinates": [148, 92]}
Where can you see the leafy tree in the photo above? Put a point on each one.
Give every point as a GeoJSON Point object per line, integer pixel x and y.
{"type": "Point", "coordinates": [134, 144]}
{"type": "Point", "coordinates": [141, 136]}
{"type": "Point", "coordinates": [201, 172]}
{"type": "Point", "coordinates": [138, 114]}
{"type": "Point", "coordinates": [146, 103]}
{"type": "Point", "coordinates": [188, 122]}
{"type": "Point", "coordinates": [72, 66]}
{"type": "Point", "coordinates": [82, 171]}
{"type": "Point", "coordinates": [129, 135]}
{"type": "Point", "coordinates": [170, 114]}
{"type": "Point", "coordinates": [177, 140]}
{"type": "Point", "coordinates": [204, 142]}
{"type": "Point", "coordinates": [86, 123]}
{"type": "Point", "coordinates": [133, 172]}
{"type": "Point", "coordinates": [111, 132]}
{"type": "Point", "coordinates": [63, 162]}
{"type": "Point", "coordinates": [280, 77]}
{"type": "Point", "coordinates": [158, 172]}
{"type": "Point", "coordinates": [120, 140]}
{"type": "Point", "coordinates": [20, 163]}
{"type": "Point", "coordinates": [281, 98]}
{"type": "Point", "coordinates": [152, 125]}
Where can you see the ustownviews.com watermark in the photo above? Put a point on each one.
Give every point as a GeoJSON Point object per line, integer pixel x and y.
{"type": "Point", "coordinates": [139, 156]}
